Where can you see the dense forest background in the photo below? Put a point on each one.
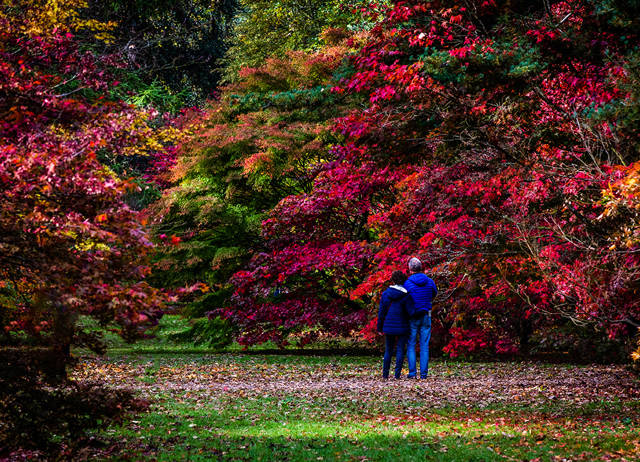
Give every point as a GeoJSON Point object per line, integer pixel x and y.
{"type": "Point", "coordinates": [262, 167]}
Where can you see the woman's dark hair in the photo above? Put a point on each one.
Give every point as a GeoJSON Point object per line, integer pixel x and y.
{"type": "Point", "coordinates": [398, 277]}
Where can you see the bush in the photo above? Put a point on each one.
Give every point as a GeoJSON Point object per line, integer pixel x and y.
{"type": "Point", "coordinates": [37, 414]}
{"type": "Point", "coordinates": [214, 333]}
{"type": "Point", "coordinates": [580, 344]}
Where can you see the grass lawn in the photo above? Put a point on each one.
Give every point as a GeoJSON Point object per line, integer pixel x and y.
{"type": "Point", "coordinates": [247, 407]}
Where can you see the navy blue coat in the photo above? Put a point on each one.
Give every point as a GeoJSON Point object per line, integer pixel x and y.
{"type": "Point", "coordinates": [393, 315]}
{"type": "Point", "coordinates": [422, 290]}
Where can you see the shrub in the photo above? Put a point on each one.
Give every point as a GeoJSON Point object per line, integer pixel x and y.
{"type": "Point", "coordinates": [39, 413]}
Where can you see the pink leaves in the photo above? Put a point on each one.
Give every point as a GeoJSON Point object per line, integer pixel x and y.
{"type": "Point", "coordinates": [426, 240]}
{"type": "Point", "coordinates": [465, 342]}
{"type": "Point", "coordinates": [67, 236]}
{"type": "Point", "coordinates": [387, 92]}
{"type": "Point", "coordinates": [460, 53]}
{"type": "Point", "coordinates": [484, 147]}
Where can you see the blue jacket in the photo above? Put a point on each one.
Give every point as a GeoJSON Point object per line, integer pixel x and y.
{"type": "Point", "coordinates": [422, 290]}
{"type": "Point", "coordinates": [393, 315]}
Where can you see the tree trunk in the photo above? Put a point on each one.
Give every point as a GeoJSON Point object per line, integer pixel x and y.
{"type": "Point", "coordinates": [63, 331]}
{"type": "Point", "coordinates": [526, 329]}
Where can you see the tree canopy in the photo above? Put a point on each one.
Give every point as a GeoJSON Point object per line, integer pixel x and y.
{"type": "Point", "coordinates": [70, 243]}
{"type": "Point", "coordinates": [495, 140]}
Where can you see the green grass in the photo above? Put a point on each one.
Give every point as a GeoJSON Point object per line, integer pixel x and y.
{"type": "Point", "coordinates": [159, 341]}
{"type": "Point", "coordinates": [265, 429]}
{"type": "Point", "coordinates": [248, 407]}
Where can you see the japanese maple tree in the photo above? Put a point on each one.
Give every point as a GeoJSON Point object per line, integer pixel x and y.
{"type": "Point", "coordinates": [259, 142]}
{"type": "Point", "coordinates": [495, 144]}
{"type": "Point", "coordinates": [69, 243]}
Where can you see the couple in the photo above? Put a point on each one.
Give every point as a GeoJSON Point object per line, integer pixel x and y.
{"type": "Point", "coordinates": [405, 315]}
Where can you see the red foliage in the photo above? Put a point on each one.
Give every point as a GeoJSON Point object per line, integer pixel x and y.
{"type": "Point", "coordinates": [69, 244]}
{"type": "Point", "coordinates": [484, 149]}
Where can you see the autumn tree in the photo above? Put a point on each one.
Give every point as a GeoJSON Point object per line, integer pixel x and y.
{"type": "Point", "coordinates": [257, 144]}
{"type": "Point", "coordinates": [490, 133]}
{"type": "Point", "coordinates": [270, 29]}
{"type": "Point", "coordinates": [70, 244]}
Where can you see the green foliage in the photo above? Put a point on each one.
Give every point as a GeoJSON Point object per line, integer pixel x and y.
{"type": "Point", "coordinates": [214, 333]}
{"type": "Point", "coordinates": [627, 111]}
{"type": "Point", "coordinates": [476, 68]}
{"type": "Point", "coordinates": [156, 338]}
{"type": "Point", "coordinates": [287, 100]}
{"type": "Point", "coordinates": [172, 44]}
{"type": "Point", "coordinates": [255, 146]}
{"type": "Point", "coordinates": [143, 197]}
{"type": "Point", "coordinates": [268, 28]}
{"type": "Point", "coordinates": [620, 13]}
{"type": "Point", "coordinates": [135, 90]}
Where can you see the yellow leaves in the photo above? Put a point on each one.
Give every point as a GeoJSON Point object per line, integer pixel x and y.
{"type": "Point", "coordinates": [636, 354]}
{"type": "Point", "coordinates": [61, 132]}
{"type": "Point", "coordinates": [79, 243]}
{"type": "Point", "coordinates": [152, 140]}
{"type": "Point", "coordinates": [88, 244]}
{"type": "Point", "coordinates": [42, 17]}
{"type": "Point", "coordinates": [624, 194]}
{"type": "Point", "coordinates": [134, 132]}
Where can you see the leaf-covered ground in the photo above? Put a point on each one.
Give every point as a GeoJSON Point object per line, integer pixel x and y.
{"type": "Point", "coordinates": [241, 407]}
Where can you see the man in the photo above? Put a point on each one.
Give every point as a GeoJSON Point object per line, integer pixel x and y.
{"type": "Point", "coordinates": [422, 290]}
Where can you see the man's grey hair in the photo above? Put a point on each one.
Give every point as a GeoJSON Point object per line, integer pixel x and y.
{"type": "Point", "coordinates": [415, 265]}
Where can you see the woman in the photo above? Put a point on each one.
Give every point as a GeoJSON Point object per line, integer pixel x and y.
{"type": "Point", "coordinates": [393, 322]}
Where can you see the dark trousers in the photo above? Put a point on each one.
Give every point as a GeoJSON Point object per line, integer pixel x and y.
{"type": "Point", "coordinates": [399, 343]}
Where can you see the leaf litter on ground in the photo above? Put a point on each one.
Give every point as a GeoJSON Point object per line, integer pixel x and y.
{"type": "Point", "coordinates": [232, 403]}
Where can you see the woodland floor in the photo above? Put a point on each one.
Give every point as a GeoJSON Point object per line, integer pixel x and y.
{"type": "Point", "coordinates": [250, 407]}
